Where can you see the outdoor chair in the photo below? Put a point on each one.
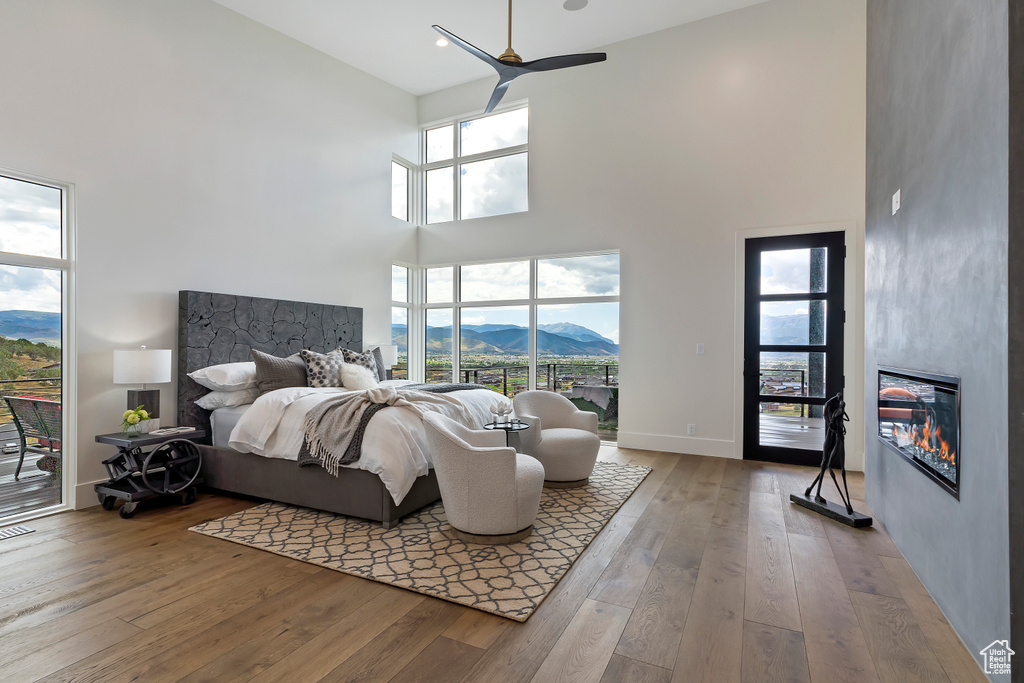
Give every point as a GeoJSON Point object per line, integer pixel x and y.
{"type": "Point", "coordinates": [39, 419]}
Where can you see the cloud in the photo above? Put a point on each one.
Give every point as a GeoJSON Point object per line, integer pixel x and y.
{"type": "Point", "coordinates": [30, 218]}
{"type": "Point", "coordinates": [440, 285]}
{"type": "Point", "coordinates": [495, 186]}
{"type": "Point", "coordinates": [30, 289]}
{"type": "Point", "coordinates": [578, 276]}
{"type": "Point", "coordinates": [786, 271]}
{"type": "Point", "coordinates": [495, 281]}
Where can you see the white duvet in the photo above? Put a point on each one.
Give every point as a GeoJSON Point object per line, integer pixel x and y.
{"type": "Point", "coordinates": [394, 445]}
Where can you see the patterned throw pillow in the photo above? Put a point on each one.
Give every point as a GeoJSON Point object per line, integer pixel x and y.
{"type": "Point", "coordinates": [364, 359]}
{"type": "Point", "coordinates": [323, 369]}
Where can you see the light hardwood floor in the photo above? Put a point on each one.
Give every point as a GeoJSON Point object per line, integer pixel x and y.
{"type": "Point", "coordinates": [707, 573]}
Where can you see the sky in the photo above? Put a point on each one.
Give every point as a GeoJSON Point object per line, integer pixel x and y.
{"type": "Point", "coordinates": [785, 271]}
{"type": "Point", "coordinates": [30, 219]}
{"type": "Point", "coordinates": [490, 187]}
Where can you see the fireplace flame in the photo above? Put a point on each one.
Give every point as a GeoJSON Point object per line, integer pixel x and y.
{"type": "Point", "coordinates": [931, 441]}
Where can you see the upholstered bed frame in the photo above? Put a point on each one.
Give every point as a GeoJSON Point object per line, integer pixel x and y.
{"type": "Point", "coordinates": [224, 328]}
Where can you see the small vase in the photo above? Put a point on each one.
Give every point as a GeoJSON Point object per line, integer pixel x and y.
{"type": "Point", "coordinates": [132, 430]}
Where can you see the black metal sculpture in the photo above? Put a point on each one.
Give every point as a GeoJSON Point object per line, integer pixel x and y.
{"type": "Point", "coordinates": [833, 455]}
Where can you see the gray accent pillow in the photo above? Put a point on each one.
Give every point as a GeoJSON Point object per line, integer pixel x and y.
{"type": "Point", "coordinates": [323, 369]}
{"type": "Point", "coordinates": [364, 359]}
{"type": "Point", "coordinates": [379, 360]}
{"type": "Point", "coordinates": [278, 373]}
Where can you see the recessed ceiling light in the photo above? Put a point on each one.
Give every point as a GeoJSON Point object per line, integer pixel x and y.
{"type": "Point", "coordinates": [441, 42]}
{"type": "Point", "coordinates": [573, 5]}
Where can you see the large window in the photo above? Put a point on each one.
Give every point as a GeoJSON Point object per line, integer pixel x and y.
{"type": "Point", "coordinates": [401, 190]}
{"type": "Point", "coordinates": [547, 323]}
{"type": "Point", "coordinates": [401, 300]}
{"type": "Point", "coordinates": [477, 167]}
{"type": "Point", "coordinates": [34, 273]}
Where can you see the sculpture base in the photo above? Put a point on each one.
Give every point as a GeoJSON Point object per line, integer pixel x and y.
{"type": "Point", "coordinates": [831, 510]}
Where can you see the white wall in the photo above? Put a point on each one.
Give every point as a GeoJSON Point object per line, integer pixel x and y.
{"type": "Point", "coordinates": [753, 119]}
{"type": "Point", "coordinates": [208, 152]}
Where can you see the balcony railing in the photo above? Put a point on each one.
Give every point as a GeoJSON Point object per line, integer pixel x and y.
{"type": "Point", "coordinates": [48, 388]}
{"type": "Point", "coordinates": [775, 383]}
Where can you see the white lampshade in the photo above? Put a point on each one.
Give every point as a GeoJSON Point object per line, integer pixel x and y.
{"type": "Point", "coordinates": [142, 366]}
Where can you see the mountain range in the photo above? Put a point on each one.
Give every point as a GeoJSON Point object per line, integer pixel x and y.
{"type": "Point", "coordinates": [559, 339]}
{"type": "Point", "coordinates": [784, 329]}
{"type": "Point", "coordinates": [34, 326]}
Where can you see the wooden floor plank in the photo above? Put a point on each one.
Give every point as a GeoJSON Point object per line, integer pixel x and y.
{"type": "Point", "coordinates": [836, 648]}
{"type": "Point", "coordinates": [222, 603]}
{"type": "Point", "coordinates": [261, 650]}
{"type": "Point", "coordinates": [522, 648]}
{"type": "Point", "coordinates": [623, 580]}
{"type": "Point", "coordinates": [949, 651]}
{"type": "Point", "coordinates": [36, 663]}
{"type": "Point", "coordinates": [770, 587]}
{"type": "Point", "coordinates": [582, 652]}
{"type": "Point", "coordinates": [477, 628]}
{"type": "Point", "coordinates": [897, 645]}
{"type": "Point", "coordinates": [858, 563]}
{"type": "Point", "coordinates": [625, 670]}
{"type": "Point", "coordinates": [388, 653]}
{"type": "Point", "coordinates": [655, 627]}
{"type": "Point", "coordinates": [92, 597]}
{"type": "Point", "coordinates": [713, 634]}
{"type": "Point", "coordinates": [773, 655]}
{"type": "Point", "coordinates": [323, 653]}
{"type": "Point", "coordinates": [442, 660]}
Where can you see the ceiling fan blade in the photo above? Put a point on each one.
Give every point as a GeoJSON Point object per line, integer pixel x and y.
{"type": "Point", "coordinates": [499, 92]}
{"type": "Point", "coordinates": [562, 62]}
{"type": "Point", "coordinates": [470, 48]}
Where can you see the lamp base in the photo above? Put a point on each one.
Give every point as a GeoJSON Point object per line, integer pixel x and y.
{"type": "Point", "coordinates": [147, 398]}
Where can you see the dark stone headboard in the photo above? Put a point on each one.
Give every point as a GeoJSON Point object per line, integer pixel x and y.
{"type": "Point", "coordinates": [224, 328]}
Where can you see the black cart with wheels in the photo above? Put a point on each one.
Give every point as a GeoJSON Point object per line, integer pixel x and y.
{"type": "Point", "coordinates": [149, 465]}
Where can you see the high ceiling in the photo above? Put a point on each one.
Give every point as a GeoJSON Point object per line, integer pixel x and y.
{"type": "Point", "coordinates": [393, 40]}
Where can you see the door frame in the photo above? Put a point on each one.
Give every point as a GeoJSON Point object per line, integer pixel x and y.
{"type": "Point", "coordinates": [853, 335]}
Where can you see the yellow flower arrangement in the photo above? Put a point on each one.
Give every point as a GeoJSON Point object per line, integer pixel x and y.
{"type": "Point", "coordinates": [131, 419]}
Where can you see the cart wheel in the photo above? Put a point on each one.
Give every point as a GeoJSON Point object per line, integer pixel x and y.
{"type": "Point", "coordinates": [128, 510]}
{"type": "Point", "coordinates": [189, 496]}
{"type": "Point", "coordinates": [107, 501]}
{"type": "Point", "coordinates": [172, 467]}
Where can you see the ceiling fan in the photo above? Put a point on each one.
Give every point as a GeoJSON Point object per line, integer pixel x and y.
{"type": "Point", "coordinates": [509, 65]}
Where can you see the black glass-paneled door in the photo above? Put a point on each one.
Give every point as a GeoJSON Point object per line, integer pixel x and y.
{"type": "Point", "coordinates": [792, 344]}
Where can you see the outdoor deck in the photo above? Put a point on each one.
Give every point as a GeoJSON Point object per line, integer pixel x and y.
{"type": "Point", "coordinates": [33, 491]}
{"type": "Point", "coordinates": [787, 431]}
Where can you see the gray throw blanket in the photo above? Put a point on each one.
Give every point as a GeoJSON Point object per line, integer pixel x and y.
{"type": "Point", "coordinates": [334, 428]}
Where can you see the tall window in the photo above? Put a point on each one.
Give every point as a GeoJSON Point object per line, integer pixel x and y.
{"type": "Point", "coordinates": [401, 299]}
{"type": "Point", "coordinates": [34, 267]}
{"type": "Point", "coordinates": [477, 167]}
{"type": "Point", "coordinates": [547, 323]}
{"type": "Point", "coordinates": [400, 190]}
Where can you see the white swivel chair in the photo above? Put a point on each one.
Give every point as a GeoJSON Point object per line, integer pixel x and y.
{"type": "Point", "coordinates": [561, 436]}
{"type": "Point", "coordinates": [490, 493]}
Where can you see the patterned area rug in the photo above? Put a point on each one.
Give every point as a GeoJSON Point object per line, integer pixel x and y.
{"type": "Point", "coordinates": [422, 555]}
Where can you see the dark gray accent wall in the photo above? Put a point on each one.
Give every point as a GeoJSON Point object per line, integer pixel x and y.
{"type": "Point", "coordinates": [937, 286]}
{"type": "Point", "coordinates": [1016, 325]}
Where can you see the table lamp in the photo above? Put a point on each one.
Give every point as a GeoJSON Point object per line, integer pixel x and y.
{"type": "Point", "coordinates": [143, 366]}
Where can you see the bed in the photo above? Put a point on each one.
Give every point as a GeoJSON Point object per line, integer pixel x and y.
{"type": "Point", "coordinates": [222, 328]}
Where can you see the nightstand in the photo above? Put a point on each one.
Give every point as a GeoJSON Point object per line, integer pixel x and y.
{"type": "Point", "coordinates": [150, 465]}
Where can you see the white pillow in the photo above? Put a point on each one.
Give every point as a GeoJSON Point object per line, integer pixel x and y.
{"type": "Point", "coordinates": [227, 376]}
{"type": "Point", "coordinates": [227, 399]}
{"type": "Point", "coordinates": [357, 377]}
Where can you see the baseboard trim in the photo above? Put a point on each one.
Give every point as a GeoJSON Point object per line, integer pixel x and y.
{"type": "Point", "coordinates": [718, 448]}
{"type": "Point", "coordinates": [85, 494]}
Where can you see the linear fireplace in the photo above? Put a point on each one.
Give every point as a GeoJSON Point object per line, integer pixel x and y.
{"type": "Point", "coordinates": [919, 419]}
